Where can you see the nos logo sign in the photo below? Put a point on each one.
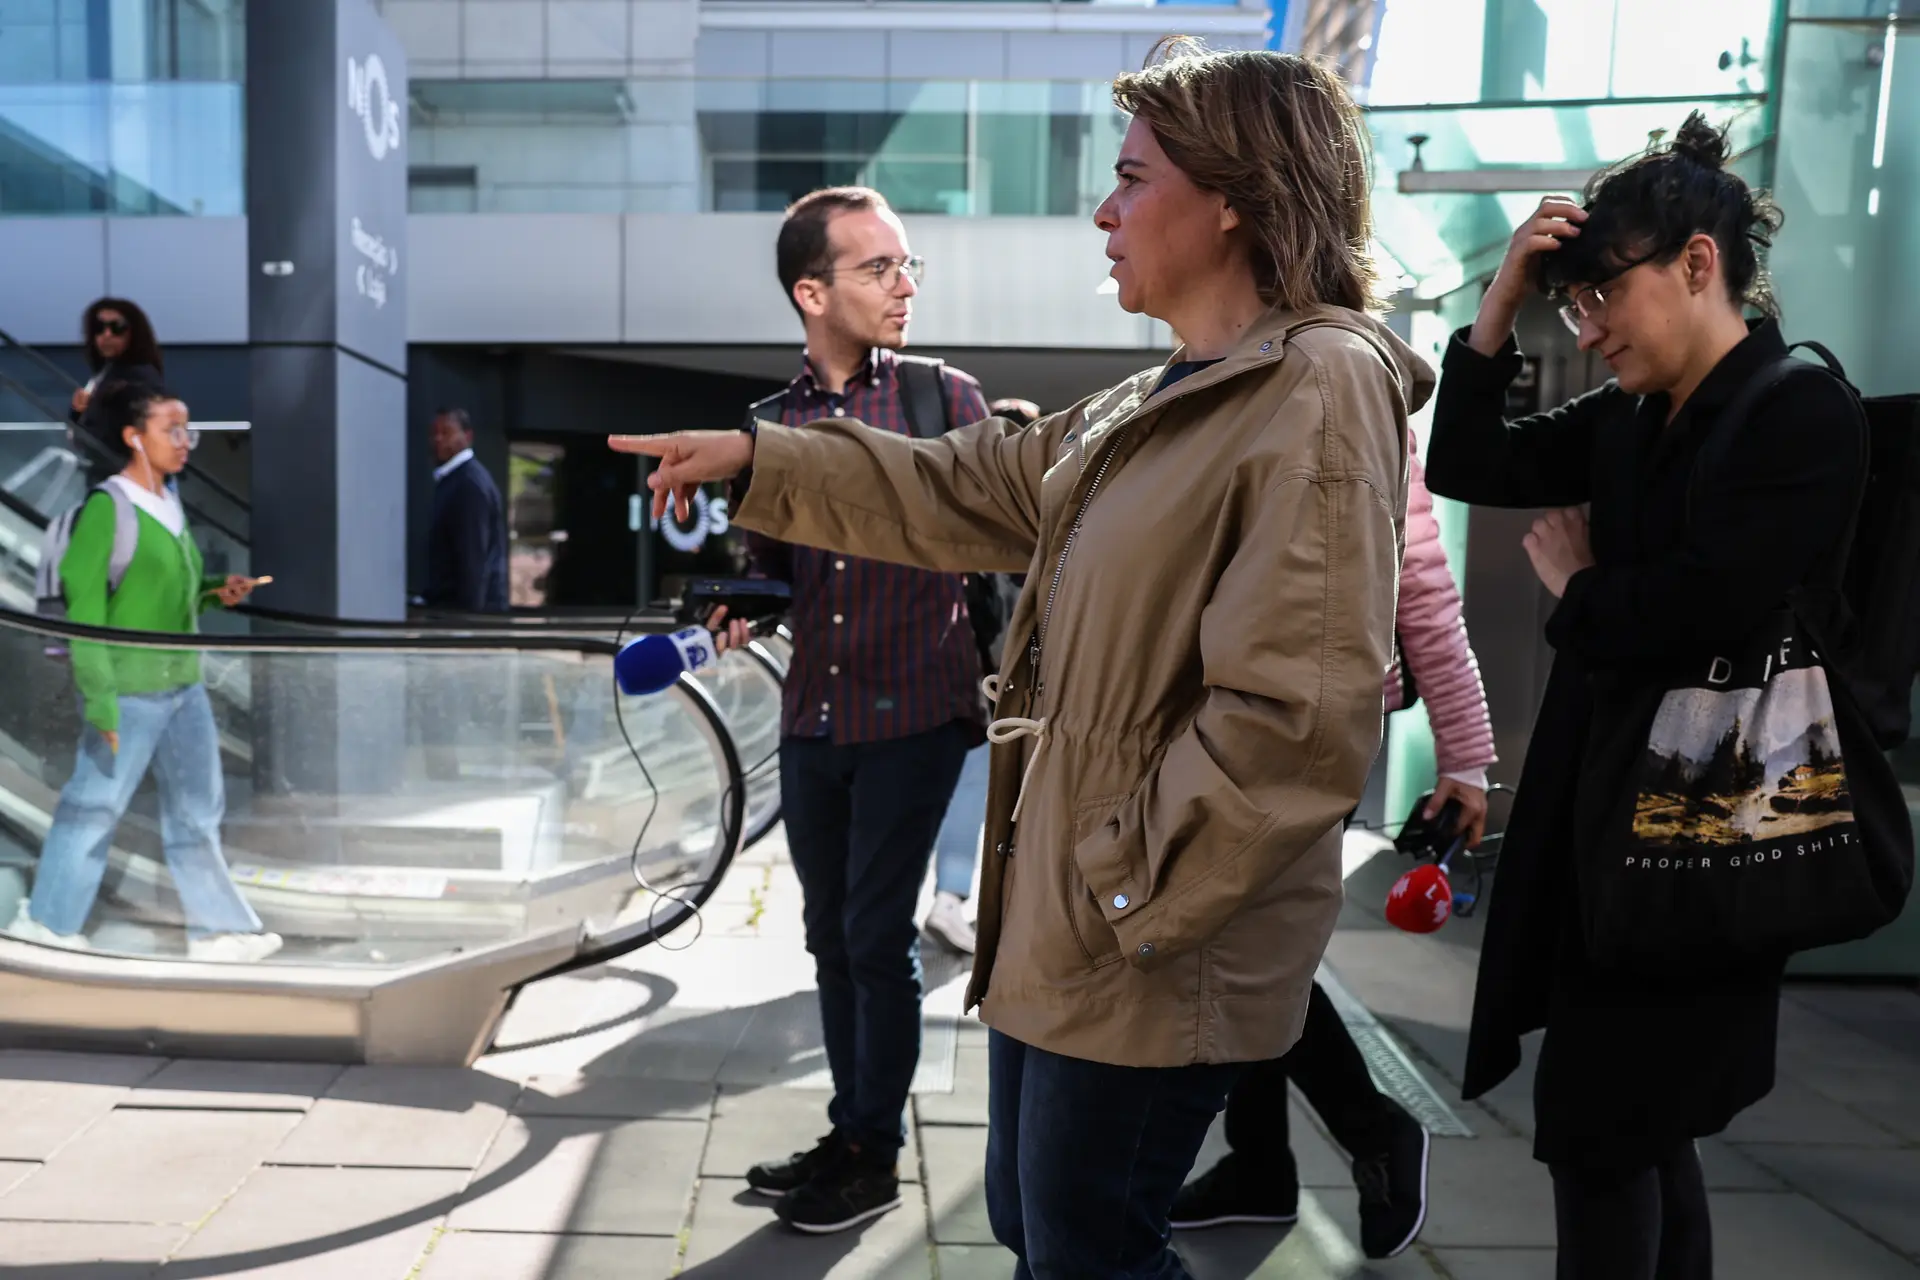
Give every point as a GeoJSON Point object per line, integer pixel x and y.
{"type": "Point", "coordinates": [371, 98]}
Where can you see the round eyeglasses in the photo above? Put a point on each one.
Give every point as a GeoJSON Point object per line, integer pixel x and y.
{"type": "Point", "coordinates": [1589, 302]}
{"type": "Point", "coordinates": [885, 272]}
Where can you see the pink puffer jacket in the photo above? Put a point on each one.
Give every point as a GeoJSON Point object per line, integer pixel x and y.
{"type": "Point", "coordinates": [1433, 643]}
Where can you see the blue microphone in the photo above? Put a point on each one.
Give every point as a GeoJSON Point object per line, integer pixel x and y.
{"type": "Point", "coordinates": [653, 662]}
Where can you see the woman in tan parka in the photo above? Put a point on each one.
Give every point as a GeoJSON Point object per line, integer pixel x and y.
{"type": "Point", "coordinates": [1191, 696]}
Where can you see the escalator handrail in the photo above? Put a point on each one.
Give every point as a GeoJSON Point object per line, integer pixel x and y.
{"type": "Point", "coordinates": [468, 624]}
{"type": "Point", "coordinates": [330, 642]}
{"type": "Point", "coordinates": [57, 415]}
{"type": "Point", "coordinates": [100, 453]}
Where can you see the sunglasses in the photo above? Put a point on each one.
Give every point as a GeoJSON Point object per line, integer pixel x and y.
{"type": "Point", "coordinates": [116, 327]}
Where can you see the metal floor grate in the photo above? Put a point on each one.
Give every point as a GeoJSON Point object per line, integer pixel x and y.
{"type": "Point", "coordinates": [1394, 1073]}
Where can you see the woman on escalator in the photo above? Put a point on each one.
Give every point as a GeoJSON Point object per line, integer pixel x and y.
{"type": "Point", "coordinates": [121, 347]}
{"type": "Point", "coordinates": [142, 706]}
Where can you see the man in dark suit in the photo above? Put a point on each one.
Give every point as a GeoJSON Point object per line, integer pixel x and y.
{"type": "Point", "coordinates": [467, 535]}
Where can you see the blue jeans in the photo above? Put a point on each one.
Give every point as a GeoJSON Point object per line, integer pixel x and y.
{"type": "Point", "coordinates": [1083, 1159]}
{"type": "Point", "coordinates": [957, 848]}
{"type": "Point", "coordinates": [861, 818]}
{"type": "Point", "coordinates": [174, 732]}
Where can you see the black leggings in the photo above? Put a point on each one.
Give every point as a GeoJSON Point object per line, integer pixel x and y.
{"type": "Point", "coordinates": [1332, 1075]}
{"type": "Point", "coordinates": [1649, 1223]}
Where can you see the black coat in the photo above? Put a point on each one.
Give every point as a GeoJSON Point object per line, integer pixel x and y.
{"type": "Point", "coordinates": [1631, 1065]}
{"type": "Point", "coordinates": [467, 543]}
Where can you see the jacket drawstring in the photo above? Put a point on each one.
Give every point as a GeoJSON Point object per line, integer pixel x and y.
{"type": "Point", "coordinates": [1012, 729]}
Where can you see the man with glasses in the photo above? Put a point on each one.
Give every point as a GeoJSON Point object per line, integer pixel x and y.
{"type": "Point", "coordinates": [881, 706]}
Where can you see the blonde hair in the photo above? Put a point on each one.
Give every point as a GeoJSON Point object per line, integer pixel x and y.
{"type": "Point", "coordinates": [1280, 137]}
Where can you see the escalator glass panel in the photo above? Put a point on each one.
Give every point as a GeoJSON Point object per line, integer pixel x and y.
{"type": "Point", "coordinates": [379, 802]}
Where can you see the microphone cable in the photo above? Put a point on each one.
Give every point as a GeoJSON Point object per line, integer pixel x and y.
{"type": "Point", "coordinates": [686, 895]}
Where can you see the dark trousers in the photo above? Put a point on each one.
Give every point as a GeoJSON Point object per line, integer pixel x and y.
{"type": "Point", "coordinates": [1650, 1223]}
{"type": "Point", "coordinates": [1327, 1066]}
{"type": "Point", "coordinates": [861, 819]}
{"type": "Point", "coordinates": [1083, 1159]}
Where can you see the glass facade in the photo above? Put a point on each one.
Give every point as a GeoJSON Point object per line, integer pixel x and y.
{"type": "Point", "coordinates": [966, 148]}
{"type": "Point", "coordinates": [123, 107]}
{"type": "Point", "coordinates": [1847, 175]}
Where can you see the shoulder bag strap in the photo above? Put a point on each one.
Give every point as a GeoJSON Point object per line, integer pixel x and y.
{"type": "Point", "coordinates": [923, 393]}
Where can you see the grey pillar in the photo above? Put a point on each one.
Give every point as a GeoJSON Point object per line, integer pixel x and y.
{"type": "Point", "coordinates": [326, 231]}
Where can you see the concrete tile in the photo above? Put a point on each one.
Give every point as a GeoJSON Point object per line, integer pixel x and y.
{"type": "Point", "coordinates": [615, 1098]}
{"type": "Point", "coordinates": [70, 1246]}
{"type": "Point", "coordinates": [150, 1166]}
{"type": "Point", "coordinates": [48, 1099]}
{"type": "Point", "coordinates": [1727, 1169]}
{"type": "Point", "coordinates": [549, 1174]}
{"type": "Point", "coordinates": [1883, 1094]}
{"type": "Point", "coordinates": [204, 1084]}
{"type": "Point", "coordinates": [321, 1224]}
{"type": "Point", "coordinates": [13, 1173]}
{"type": "Point", "coordinates": [956, 1161]}
{"type": "Point", "coordinates": [967, 1104]}
{"type": "Point", "coordinates": [1795, 1113]}
{"type": "Point", "coordinates": [465, 1255]}
{"type": "Point", "coordinates": [1487, 1193]}
{"type": "Point", "coordinates": [754, 1125]}
{"type": "Point", "coordinates": [1497, 1264]}
{"type": "Point", "coordinates": [736, 1237]}
{"type": "Point", "coordinates": [677, 1044]}
{"type": "Point", "coordinates": [121, 1069]}
{"type": "Point", "coordinates": [1876, 1190]}
{"type": "Point", "coordinates": [402, 1117]}
{"type": "Point", "coordinates": [1788, 1237]}
{"type": "Point", "coordinates": [40, 1118]}
{"type": "Point", "coordinates": [973, 1262]}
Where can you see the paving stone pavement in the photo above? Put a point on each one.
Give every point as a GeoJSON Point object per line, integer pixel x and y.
{"type": "Point", "coordinates": [609, 1133]}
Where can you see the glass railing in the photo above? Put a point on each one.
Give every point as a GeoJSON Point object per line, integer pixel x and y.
{"type": "Point", "coordinates": [121, 149]}
{"type": "Point", "coordinates": [380, 801]}
{"type": "Point", "coordinates": [745, 685]}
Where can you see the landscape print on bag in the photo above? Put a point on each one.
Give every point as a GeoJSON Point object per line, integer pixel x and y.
{"type": "Point", "coordinates": [1736, 766]}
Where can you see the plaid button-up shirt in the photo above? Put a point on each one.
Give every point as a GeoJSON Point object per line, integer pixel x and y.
{"type": "Point", "coordinates": [880, 651]}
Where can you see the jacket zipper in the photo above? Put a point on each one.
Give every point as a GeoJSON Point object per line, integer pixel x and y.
{"type": "Point", "coordinates": [1060, 565]}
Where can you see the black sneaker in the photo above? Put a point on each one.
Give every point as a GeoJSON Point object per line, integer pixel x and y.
{"type": "Point", "coordinates": [1233, 1191]}
{"type": "Point", "coordinates": [1393, 1187]}
{"type": "Point", "coordinates": [778, 1177]}
{"type": "Point", "coordinates": [847, 1192]}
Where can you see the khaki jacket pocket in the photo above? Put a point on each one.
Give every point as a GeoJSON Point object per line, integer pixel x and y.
{"type": "Point", "coordinates": [1098, 942]}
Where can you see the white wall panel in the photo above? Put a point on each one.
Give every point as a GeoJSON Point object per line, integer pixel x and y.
{"type": "Point", "coordinates": [947, 55]}
{"type": "Point", "coordinates": [50, 269]}
{"type": "Point", "coordinates": [428, 29]}
{"type": "Point", "coordinates": [514, 278]}
{"type": "Point", "coordinates": [1066, 55]}
{"type": "Point", "coordinates": [707, 277]}
{"type": "Point", "coordinates": [733, 53]}
{"type": "Point", "coordinates": [592, 31]}
{"type": "Point", "coordinates": [188, 274]}
{"type": "Point", "coordinates": [855, 55]}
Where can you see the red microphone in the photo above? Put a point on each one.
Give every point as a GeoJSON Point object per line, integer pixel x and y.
{"type": "Point", "coordinates": [1421, 900]}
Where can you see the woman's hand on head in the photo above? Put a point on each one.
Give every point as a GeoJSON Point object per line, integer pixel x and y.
{"type": "Point", "coordinates": [1559, 547]}
{"type": "Point", "coordinates": [1556, 221]}
{"type": "Point", "coordinates": [688, 459]}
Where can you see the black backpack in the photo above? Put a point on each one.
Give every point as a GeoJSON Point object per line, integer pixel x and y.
{"type": "Point", "coordinates": [924, 394]}
{"type": "Point", "coordinates": [1881, 582]}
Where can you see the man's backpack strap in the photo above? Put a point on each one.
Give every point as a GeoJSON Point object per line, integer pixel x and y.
{"type": "Point", "coordinates": [923, 393]}
{"type": "Point", "coordinates": [768, 408]}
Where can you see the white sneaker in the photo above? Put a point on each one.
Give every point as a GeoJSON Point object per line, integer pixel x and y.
{"type": "Point", "coordinates": [27, 929]}
{"type": "Point", "coordinates": [948, 922]}
{"type": "Point", "coordinates": [234, 948]}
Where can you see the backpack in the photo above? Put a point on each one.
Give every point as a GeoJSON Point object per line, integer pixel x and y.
{"type": "Point", "coordinates": [49, 593]}
{"type": "Point", "coordinates": [1880, 584]}
{"type": "Point", "coordinates": [923, 392]}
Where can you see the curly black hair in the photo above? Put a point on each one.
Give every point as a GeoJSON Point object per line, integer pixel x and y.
{"type": "Point", "coordinates": [1646, 208]}
{"type": "Point", "coordinates": [122, 405]}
